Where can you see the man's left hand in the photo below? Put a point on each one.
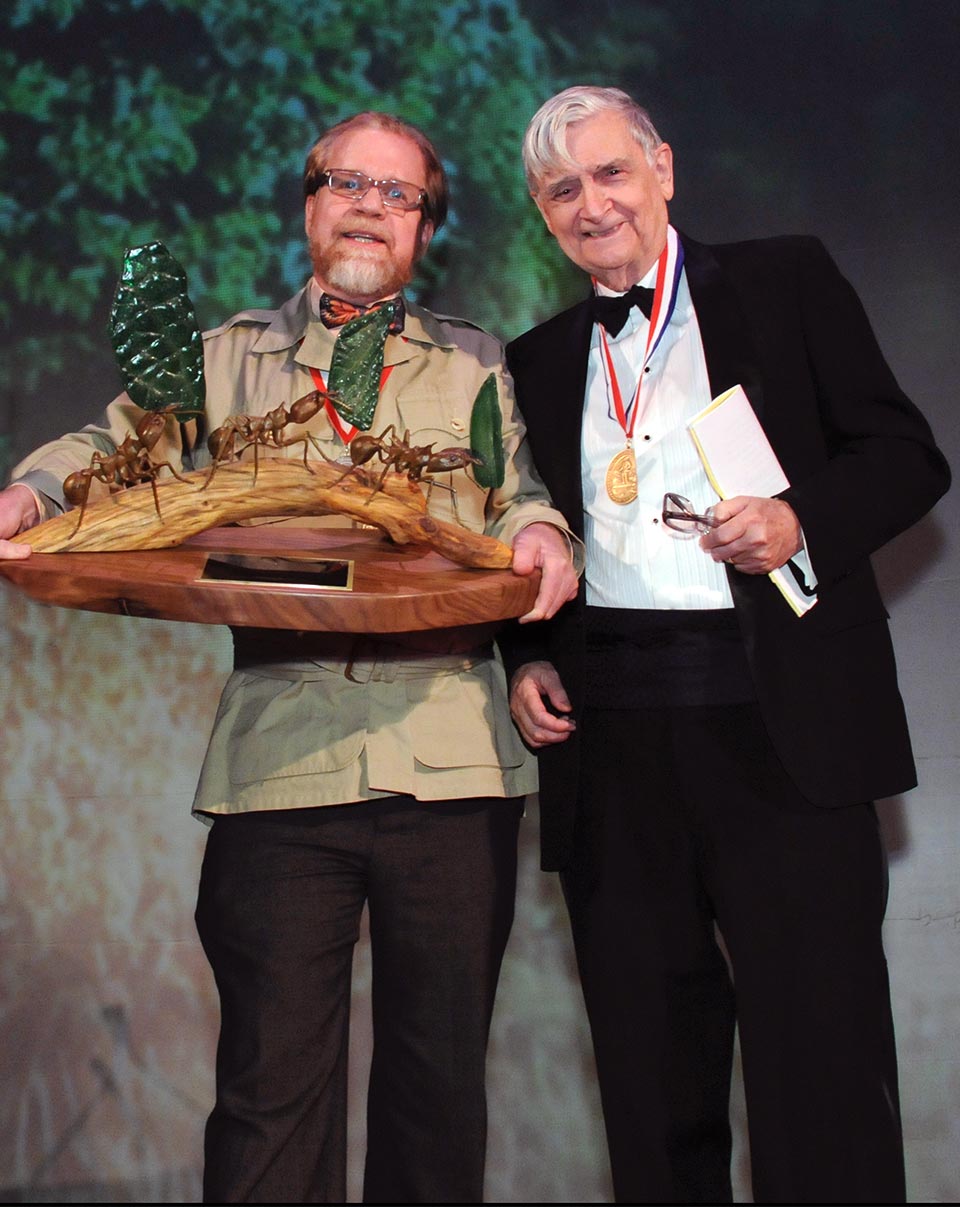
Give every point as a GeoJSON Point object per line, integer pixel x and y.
{"type": "Point", "coordinates": [753, 535]}
{"type": "Point", "coordinates": [541, 546]}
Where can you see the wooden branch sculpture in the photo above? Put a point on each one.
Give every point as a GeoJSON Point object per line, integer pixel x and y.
{"type": "Point", "coordinates": [160, 514]}
{"type": "Point", "coordinates": [159, 352]}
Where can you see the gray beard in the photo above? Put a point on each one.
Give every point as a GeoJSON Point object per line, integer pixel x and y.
{"type": "Point", "coordinates": [357, 276]}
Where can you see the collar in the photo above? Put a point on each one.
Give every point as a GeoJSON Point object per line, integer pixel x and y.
{"type": "Point", "coordinates": [648, 281]}
{"type": "Point", "coordinates": [296, 323]}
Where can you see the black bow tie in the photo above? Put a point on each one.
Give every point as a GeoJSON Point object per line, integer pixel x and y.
{"type": "Point", "coordinates": [612, 312]}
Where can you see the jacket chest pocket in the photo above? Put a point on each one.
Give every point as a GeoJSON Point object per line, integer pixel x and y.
{"type": "Point", "coordinates": [433, 416]}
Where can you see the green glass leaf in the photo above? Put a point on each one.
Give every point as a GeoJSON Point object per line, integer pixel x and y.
{"type": "Point", "coordinates": [154, 333]}
{"type": "Point", "coordinates": [357, 364]}
{"type": "Point", "coordinates": [486, 435]}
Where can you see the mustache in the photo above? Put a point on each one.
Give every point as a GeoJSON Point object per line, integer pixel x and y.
{"type": "Point", "coordinates": [361, 228]}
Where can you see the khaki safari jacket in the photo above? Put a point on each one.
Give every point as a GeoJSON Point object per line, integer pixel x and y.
{"type": "Point", "coordinates": [337, 720]}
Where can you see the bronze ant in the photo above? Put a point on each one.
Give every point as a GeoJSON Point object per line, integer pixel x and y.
{"type": "Point", "coordinates": [240, 432]}
{"type": "Point", "coordinates": [404, 457]}
{"type": "Point", "coordinates": [265, 430]}
{"type": "Point", "coordinates": [129, 465]}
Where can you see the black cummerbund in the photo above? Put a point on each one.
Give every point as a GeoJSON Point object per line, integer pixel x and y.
{"type": "Point", "coordinates": [639, 658]}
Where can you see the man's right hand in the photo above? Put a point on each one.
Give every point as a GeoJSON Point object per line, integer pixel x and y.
{"type": "Point", "coordinates": [537, 724]}
{"type": "Point", "coordinates": [18, 511]}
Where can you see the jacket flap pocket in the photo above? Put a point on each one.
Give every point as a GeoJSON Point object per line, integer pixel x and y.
{"type": "Point", "coordinates": [279, 728]}
{"type": "Point", "coordinates": [458, 721]}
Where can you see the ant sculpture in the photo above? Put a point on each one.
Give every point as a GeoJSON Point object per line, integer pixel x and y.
{"type": "Point", "coordinates": [130, 465]}
{"type": "Point", "coordinates": [404, 457]}
{"type": "Point", "coordinates": [241, 432]}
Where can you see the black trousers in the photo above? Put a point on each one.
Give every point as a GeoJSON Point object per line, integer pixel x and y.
{"type": "Point", "coordinates": [280, 902]}
{"type": "Point", "coordinates": [688, 824]}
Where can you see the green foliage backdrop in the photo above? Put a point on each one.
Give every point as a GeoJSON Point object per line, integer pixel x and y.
{"type": "Point", "coordinates": [125, 121]}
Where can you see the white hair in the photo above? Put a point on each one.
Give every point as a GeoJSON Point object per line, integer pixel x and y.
{"type": "Point", "coordinates": [545, 142]}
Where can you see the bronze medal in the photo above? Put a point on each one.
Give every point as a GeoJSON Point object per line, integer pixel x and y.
{"type": "Point", "coordinates": [621, 478]}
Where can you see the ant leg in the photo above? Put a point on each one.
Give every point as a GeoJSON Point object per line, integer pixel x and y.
{"type": "Point", "coordinates": [432, 482]}
{"type": "Point", "coordinates": [156, 497]}
{"type": "Point", "coordinates": [319, 447]}
{"type": "Point", "coordinates": [453, 500]}
{"type": "Point", "coordinates": [389, 430]}
{"type": "Point", "coordinates": [443, 486]}
{"type": "Point", "coordinates": [83, 508]}
{"type": "Point", "coordinates": [379, 485]}
{"type": "Point", "coordinates": [224, 450]}
{"type": "Point", "coordinates": [256, 463]}
{"type": "Point", "coordinates": [166, 465]}
{"type": "Point", "coordinates": [316, 444]}
{"type": "Point", "coordinates": [351, 469]}
{"type": "Point", "coordinates": [306, 448]}
{"type": "Point", "coordinates": [305, 441]}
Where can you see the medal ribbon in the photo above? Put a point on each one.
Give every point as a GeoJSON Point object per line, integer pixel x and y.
{"type": "Point", "coordinates": [669, 267]}
{"type": "Point", "coordinates": [345, 433]}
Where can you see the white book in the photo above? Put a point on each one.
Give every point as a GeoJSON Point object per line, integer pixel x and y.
{"type": "Point", "coordinates": [738, 460]}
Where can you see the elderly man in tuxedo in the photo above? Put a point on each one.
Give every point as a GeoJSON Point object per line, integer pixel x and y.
{"type": "Point", "coordinates": [708, 755]}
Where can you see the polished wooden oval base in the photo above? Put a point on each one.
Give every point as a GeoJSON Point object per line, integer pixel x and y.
{"type": "Point", "coordinates": [393, 588]}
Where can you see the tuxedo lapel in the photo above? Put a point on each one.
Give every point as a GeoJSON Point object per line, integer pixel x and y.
{"type": "Point", "coordinates": [728, 348]}
{"type": "Point", "coordinates": [572, 352]}
{"type": "Point", "coordinates": [552, 392]}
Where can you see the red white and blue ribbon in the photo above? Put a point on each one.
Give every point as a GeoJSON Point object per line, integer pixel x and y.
{"type": "Point", "coordinates": [669, 268]}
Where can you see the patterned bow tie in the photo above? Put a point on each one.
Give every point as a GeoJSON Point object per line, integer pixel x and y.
{"type": "Point", "coordinates": [613, 312]}
{"type": "Point", "coordinates": [335, 312]}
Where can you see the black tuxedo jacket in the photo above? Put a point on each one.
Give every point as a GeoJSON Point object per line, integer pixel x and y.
{"type": "Point", "coordinates": [777, 317]}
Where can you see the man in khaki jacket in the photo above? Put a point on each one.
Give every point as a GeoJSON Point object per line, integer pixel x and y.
{"type": "Point", "coordinates": [341, 772]}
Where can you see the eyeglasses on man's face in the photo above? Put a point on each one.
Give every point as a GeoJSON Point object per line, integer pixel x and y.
{"type": "Point", "coordinates": [397, 194]}
{"type": "Point", "coordinates": [679, 515]}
